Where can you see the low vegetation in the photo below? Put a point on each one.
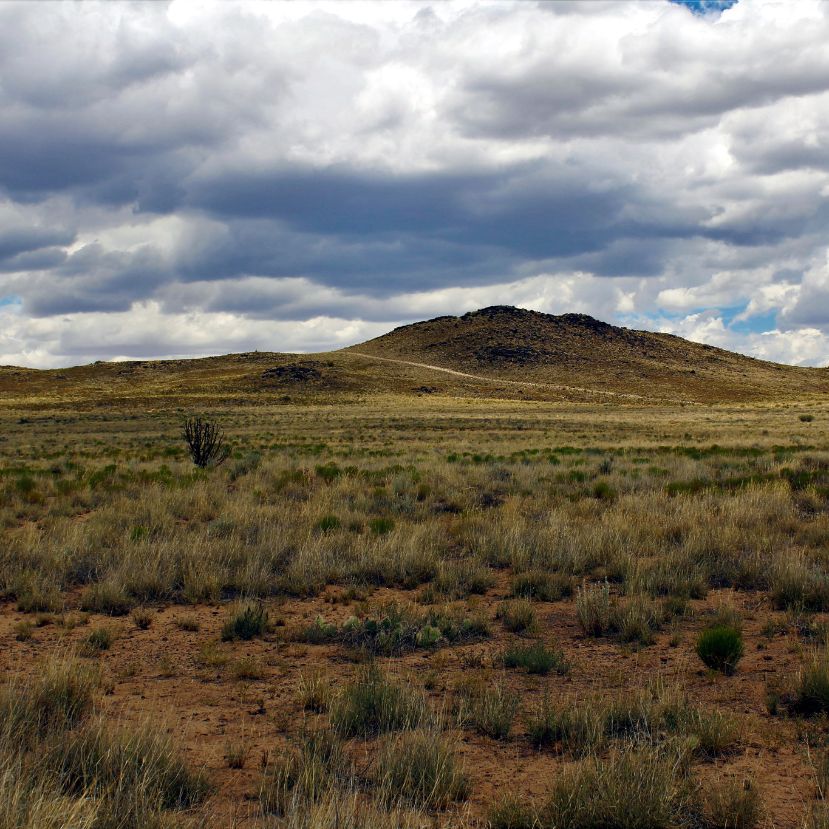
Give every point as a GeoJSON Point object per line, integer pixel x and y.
{"type": "Point", "coordinates": [386, 615]}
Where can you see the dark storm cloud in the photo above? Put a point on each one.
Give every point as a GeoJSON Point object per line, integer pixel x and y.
{"type": "Point", "coordinates": [530, 213]}
{"type": "Point", "coordinates": [15, 241]}
{"type": "Point", "coordinates": [94, 279]}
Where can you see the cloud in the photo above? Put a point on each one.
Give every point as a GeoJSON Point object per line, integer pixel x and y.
{"type": "Point", "coordinates": [216, 178]}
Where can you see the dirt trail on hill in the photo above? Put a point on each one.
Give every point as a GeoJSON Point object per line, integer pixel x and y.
{"type": "Point", "coordinates": [501, 380]}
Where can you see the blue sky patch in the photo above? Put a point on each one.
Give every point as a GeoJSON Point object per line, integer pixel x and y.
{"type": "Point", "coordinates": [706, 6]}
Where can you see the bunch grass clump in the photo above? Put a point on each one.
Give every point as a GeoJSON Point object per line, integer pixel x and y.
{"type": "Point", "coordinates": [811, 695]}
{"type": "Point", "coordinates": [541, 586]}
{"type": "Point", "coordinates": [421, 768]}
{"type": "Point", "coordinates": [63, 758]}
{"type": "Point", "coordinates": [375, 704]}
{"type": "Point", "coordinates": [635, 788]}
{"type": "Point", "coordinates": [518, 616]}
{"type": "Point", "coordinates": [536, 658]}
{"type": "Point", "coordinates": [489, 708]}
{"type": "Point", "coordinates": [247, 621]}
{"type": "Point", "coordinates": [720, 647]}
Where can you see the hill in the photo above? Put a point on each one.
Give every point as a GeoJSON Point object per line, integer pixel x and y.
{"type": "Point", "coordinates": [500, 351]}
{"type": "Point", "coordinates": [576, 350]}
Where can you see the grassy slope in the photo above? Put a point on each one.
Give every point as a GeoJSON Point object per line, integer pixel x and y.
{"type": "Point", "coordinates": [509, 353]}
{"type": "Point", "coordinates": [577, 350]}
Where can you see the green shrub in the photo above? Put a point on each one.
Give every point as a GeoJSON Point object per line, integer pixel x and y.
{"type": "Point", "coordinates": [247, 621]}
{"type": "Point", "coordinates": [97, 640]}
{"type": "Point", "coordinates": [328, 523]}
{"type": "Point", "coordinates": [428, 636]}
{"type": "Point", "coordinates": [720, 648]}
{"type": "Point", "coordinates": [381, 526]}
{"type": "Point", "coordinates": [456, 627]}
{"type": "Point", "coordinates": [319, 632]}
{"type": "Point", "coordinates": [421, 768]}
{"type": "Point", "coordinates": [374, 704]}
{"type": "Point", "coordinates": [536, 658]}
{"type": "Point", "coordinates": [603, 491]}
{"type": "Point", "coordinates": [392, 629]}
{"type": "Point", "coordinates": [329, 472]}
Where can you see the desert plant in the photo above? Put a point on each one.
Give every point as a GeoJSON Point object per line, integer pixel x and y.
{"type": "Point", "coordinates": [715, 732]}
{"type": "Point", "coordinates": [304, 776]}
{"type": "Point", "coordinates": [627, 789]}
{"type": "Point", "coordinates": [381, 526]}
{"type": "Point", "coordinates": [536, 658]}
{"type": "Point", "coordinates": [488, 708]}
{"type": "Point", "coordinates": [205, 442]}
{"type": "Point", "coordinates": [730, 804]}
{"type": "Point", "coordinates": [142, 618]}
{"type": "Point", "coordinates": [247, 621]}
{"type": "Point", "coordinates": [23, 630]}
{"type": "Point", "coordinates": [541, 586]}
{"type": "Point", "coordinates": [248, 668]}
{"type": "Point", "coordinates": [60, 698]}
{"type": "Point", "coordinates": [720, 647]}
{"type": "Point", "coordinates": [811, 694]}
{"type": "Point", "coordinates": [107, 598]}
{"type": "Point", "coordinates": [594, 608]}
{"type": "Point", "coordinates": [374, 704]}
{"type": "Point", "coordinates": [188, 622]}
{"type": "Point", "coordinates": [97, 640]}
{"type": "Point", "coordinates": [136, 772]}
{"type": "Point", "coordinates": [35, 595]}
{"type": "Point", "coordinates": [636, 620]}
{"type": "Point", "coordinates": [459, 579]}
{"type": "Point", "coordinates": [513, 812]}
{"type": "Point", "coordinates": [421, 768]}
{"type": "Point", "coordinates": [314, 691]}
{"type": "Point", "coordinates": [799, 584]}
{"type": "Point", "coordinates": [518, 615]}
{"type": "Point", "coordinates": [236, 754]}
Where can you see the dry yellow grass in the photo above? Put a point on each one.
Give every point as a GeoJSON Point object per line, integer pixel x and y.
{"type": "Point", "coordinates": [393, 528]}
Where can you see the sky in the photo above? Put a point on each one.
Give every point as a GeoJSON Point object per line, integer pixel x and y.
{"type": "Point", "coordinates": [182, 179]}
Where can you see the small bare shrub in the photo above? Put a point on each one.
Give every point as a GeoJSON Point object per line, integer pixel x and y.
{"type": "Point", "coordinates": [205, 442]}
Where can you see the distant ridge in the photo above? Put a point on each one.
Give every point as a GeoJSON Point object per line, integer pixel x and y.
{"type": "Point", "coordinates": [496, 352]}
